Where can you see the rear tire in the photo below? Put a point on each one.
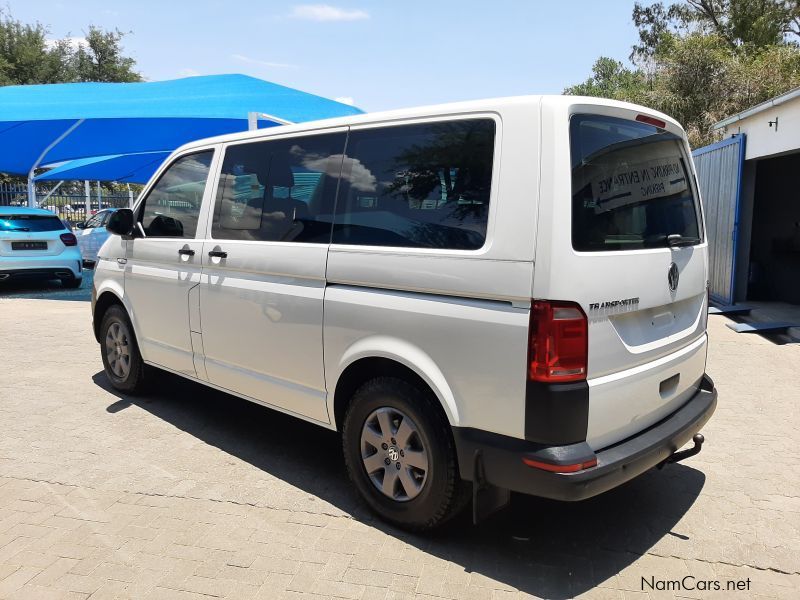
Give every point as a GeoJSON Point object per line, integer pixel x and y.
{"type": "Point", "coordinates": [390, 419]}
{"type": "Point", "coordinates": [122, 360]}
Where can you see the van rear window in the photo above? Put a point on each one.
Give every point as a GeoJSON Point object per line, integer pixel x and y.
{"type": "Point", "coordinates": [631, 186]}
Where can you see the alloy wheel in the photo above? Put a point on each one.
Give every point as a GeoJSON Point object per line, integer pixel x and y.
{"type": "Point", "coordinates": [393, 454]}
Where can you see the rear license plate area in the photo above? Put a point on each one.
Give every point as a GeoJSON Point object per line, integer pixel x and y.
{"type": "Point", "coordinates": [29, 245]}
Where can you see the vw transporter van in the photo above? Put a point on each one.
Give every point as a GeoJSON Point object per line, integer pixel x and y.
{"type": "Point", "coordinates": [507, 294]}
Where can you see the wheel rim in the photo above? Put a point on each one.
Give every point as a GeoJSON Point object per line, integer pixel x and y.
{"type": "Point", "coordinates": [118, 350]}
{"type": "Point", "coordinates": [393, 454]}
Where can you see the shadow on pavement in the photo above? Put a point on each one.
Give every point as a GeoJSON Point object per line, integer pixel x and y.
{"type": "Point", "coordinates": [541, 547]}
{"type": "Point", "coordinates": [47, 290]}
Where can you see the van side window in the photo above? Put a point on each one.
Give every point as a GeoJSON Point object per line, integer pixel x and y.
{"type": "Point", "coordinates": [172, 207]}
{"type": "Point", "coordinates": [417, 186]}
{"type": "Point", "coordinates": [279, 190]}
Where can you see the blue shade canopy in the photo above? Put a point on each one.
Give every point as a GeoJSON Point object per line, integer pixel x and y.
{"type": "Point", "coordinates": [126, 168]}
{"type": "Point", "coordinates": [126, 118]}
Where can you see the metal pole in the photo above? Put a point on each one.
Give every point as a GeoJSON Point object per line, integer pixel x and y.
{"type": "Point", "coordinates": [50, 193]}
{"type": "Point", "coordinates": [252, 120]}
{"type": "Point", "coordinates": [130, 196]}
{"type": "Point", "coordinates": [31, 189]}
{"type": "Point", "coordinates": [87, 190]}
{"type": "Point", "coordinates": [53, 144]}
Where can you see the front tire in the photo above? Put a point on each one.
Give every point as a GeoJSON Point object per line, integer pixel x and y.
{"type": "Point", "coordinates": [122, 360]}
{"type": "Point", "coordinates": [400, 455]}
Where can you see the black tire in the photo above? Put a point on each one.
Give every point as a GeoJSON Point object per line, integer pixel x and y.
{"type": "Point", "coordinates": [133, 380]}
{"type": "Point", "coordinates": [443, 494]}
{"type": "Point", "coordinates": [72, 284]}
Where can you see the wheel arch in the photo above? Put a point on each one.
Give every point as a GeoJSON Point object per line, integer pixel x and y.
{"type": "Point", "coordinates": [370, 359]}
{"type": "Point", "coordinates": [108, 296]}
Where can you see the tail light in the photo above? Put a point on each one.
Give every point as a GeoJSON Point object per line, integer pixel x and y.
{"type": "Point", "coordinates": [559, 342]}
{"type": "Point", "coordinates": [69, 239]}
{"type": "Point", "coordinates": [651, 121]}
{"type": "Point", "coordinates": [553, 468]}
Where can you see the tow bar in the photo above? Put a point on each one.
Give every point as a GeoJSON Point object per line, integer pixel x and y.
{"type": "Point", "coordinates": [698, 440]}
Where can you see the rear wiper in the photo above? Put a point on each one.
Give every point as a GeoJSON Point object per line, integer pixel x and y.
{"type": "Point", "coordinates": [677, 240]}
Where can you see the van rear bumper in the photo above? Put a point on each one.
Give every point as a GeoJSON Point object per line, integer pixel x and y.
{"type": "Point", "coordinates": [499, 458]}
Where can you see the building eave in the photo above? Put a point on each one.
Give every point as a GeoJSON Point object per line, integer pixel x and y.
{"type": "Point", "coordinates": [772, 102]}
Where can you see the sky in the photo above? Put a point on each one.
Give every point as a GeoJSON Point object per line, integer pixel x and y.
{"type": "Point", "coordinates": [376, 54]}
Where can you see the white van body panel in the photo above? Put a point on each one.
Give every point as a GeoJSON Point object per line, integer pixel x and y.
{"type": "Point", "coordinates": [261, 314]}
{"type": "Point", "coordinates": [484, 342]}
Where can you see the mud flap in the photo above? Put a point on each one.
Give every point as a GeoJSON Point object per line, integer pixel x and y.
{"type": "Point", "coordinates": [486, 498]}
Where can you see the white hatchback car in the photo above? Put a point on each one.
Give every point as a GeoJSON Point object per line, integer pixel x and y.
{"type": "Point", "coordinates": [92, 233]}
{"type": "Point", "coordinates": [486, 296]}
{"type": "Point", "coordinates": [35, 244]}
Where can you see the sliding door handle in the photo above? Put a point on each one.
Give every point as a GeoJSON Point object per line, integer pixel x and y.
{"type": "Point", "coordinates": [186, 252]}
{"type": "Point", "coordinates": [218, 254]}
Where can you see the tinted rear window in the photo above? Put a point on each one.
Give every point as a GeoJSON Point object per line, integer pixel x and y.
{"type": "Point", "coordinates": [417, 186]}
{"type": "Point", "coordinates": [30, 223]}
{"type": "Point", "coordinates": [631, 185]}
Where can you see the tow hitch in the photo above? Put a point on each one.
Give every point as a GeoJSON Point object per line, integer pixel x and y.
{"type": "Point", "coordinates": [698, 440]}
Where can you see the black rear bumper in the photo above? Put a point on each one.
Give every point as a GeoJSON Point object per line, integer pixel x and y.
{"type": "Point", "coordinates": [502, 456]}
{"type": "Point", "coordinates": [37, 273]}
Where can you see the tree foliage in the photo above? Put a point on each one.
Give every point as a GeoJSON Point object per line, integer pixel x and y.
{"type": "Point", "coordinates": [27, 56]}
{"type": "Point", "coordinates": [703, 60]}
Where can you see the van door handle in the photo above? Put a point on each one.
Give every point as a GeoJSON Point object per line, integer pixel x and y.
{"type": "Point", "coordinates": [186, 252]}
{"type": "Point", "coordinates": [218, 253]}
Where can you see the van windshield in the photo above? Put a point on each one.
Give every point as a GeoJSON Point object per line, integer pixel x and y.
{"type": "Point", "coordinates": [631, 186]}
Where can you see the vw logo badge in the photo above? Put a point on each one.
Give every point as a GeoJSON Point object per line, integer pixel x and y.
{"type": "Point", "coordinates": [393, 454]}
{"type": "Point", "coordinates": [673, 276]}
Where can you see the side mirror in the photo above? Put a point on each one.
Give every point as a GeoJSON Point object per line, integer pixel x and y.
{"type": "Point", "coordinates": [121, 222]}
{"type": "Point", "coordinates": [80, 225]}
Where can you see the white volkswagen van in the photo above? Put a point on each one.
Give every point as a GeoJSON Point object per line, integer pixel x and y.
{"type": "Point", "coordinates": [481, 297]}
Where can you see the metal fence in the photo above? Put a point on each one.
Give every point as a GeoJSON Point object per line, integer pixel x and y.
{"type": "Point", "coordinates": [67, 205]}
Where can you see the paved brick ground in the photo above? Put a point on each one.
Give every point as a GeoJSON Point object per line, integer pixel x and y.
{"type": "Point", "coordinates": [195, 494]}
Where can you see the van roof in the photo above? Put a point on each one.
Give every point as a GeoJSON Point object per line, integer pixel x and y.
{"type": "Point", "coordinates": [486, 105]}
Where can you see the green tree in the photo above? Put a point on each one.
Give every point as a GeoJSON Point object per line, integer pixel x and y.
{"type": "Point", "coordinates": [27, 56]}
{"type": "Point", "coordinates": [742, 25]}
{"type": "Point", "coordinates": [611, 79]}
{"type": "Point", "coordinates": [101, 59]}
{"type": "Point", "coordinates": [702, 60]}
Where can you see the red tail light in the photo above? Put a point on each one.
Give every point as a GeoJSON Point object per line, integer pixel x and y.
{"type": "Point", "coordinates": [559, 341]}
{"type": "Point", "coordinates": [573, 468]}
{"type": "Point", "coordinates": [69, 239]}
{"type": "Point", "coordinates": [651, 121]}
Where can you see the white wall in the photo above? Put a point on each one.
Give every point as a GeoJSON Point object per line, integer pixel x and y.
{"type": "Point", "coordinates": [763, 140]}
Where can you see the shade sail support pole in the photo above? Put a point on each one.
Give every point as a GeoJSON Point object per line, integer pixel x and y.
{"type": "Point", "coordinates": [32, 172]}
{"type": "Point", "coordinates": [50, 193]}
{"type": "Point", "coordinates": [253, 117]}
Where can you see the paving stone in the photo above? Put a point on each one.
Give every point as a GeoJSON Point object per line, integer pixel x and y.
{"type": "Point", "coordinates": [192, 494]}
